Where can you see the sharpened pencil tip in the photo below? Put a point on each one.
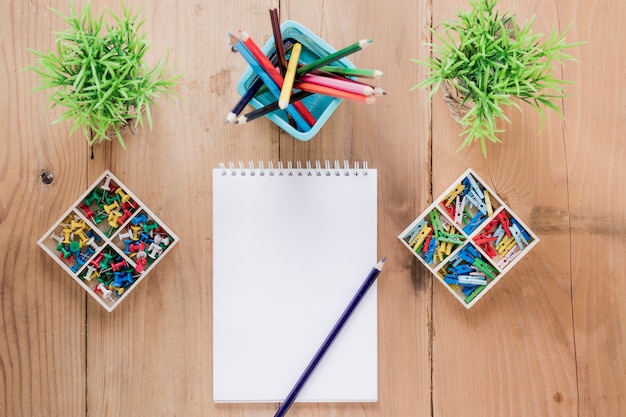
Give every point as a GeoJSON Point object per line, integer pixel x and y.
{"type": "Point", "coordinates": [380, 264]}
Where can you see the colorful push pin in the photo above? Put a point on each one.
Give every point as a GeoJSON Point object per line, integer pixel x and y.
{"type": "Point", "coordinates": [141, 264]}
{"type": "Point", "coordinates": [137, 246]}
{"type": "Point", "coordinates": [122, 279]}
{"type": "Point", "coordinates": [112, 219]}
{"type": "Point", "coordinates": [77, 224]}
{"type": "Point", "coordinates": [148, 227]}
{"type": "Point", "coordinates": [58, 239]}
{"type": "Point", "coordinates": [140, 218]}
{"type": "Point", "coordinates": [104, 263]}
{"type": "Point", "coordinates": [67, 233]}
{"type": "Point", "coordinates": [127, 244]}
{"type": "Point", "coordinates": [126, 214]}
{"type": "Point", "coordinates": [159, 239]}
{"type": "Point", "coordinates": [96, 261]}
{"type": "Point", "coordinates": [107, 184]}
{"type": "Point", "coordinates": [82, 236]}
{"type": "Point", "coordinates": [91, 272]}
{"type": "Point", "coordinates": [126, 236]}
{"type": "Point", "coordinates": [136, 230]}
{"type": "Point", "coordinates": [64, 252]}
{"type": "Point", "coordinates": [103, 291]}
{"type": "Point", "coordinates": [118, 265]}
{"type": "Point", "coordinates": [88, 213]}
{"type": "Point", "coordinates": [108, 208]}
{"type": "Point", "coordinates": [123, 196]}
{"type": "Point", "coordinates": [154, 250]}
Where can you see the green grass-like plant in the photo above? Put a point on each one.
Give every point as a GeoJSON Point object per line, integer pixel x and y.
{"type": "Point", "coordinates": [99, 73]}
{"type": "Point", "coordinates": [488, 61]}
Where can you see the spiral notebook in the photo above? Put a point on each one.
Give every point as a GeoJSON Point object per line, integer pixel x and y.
{"type": "Point", "coordinates": [291, 246]}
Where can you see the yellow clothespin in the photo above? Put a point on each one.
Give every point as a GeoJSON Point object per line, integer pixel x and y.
{"type": "Point", "coordinates": [457, 190]}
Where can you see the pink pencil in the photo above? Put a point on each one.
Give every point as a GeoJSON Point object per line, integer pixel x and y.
{"type": "Point", "coordinates": [333, 92]}
{"type": "Point", "coordinates": [339, 84]}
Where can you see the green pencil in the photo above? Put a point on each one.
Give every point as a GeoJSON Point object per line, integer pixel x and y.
{"type": "Point", "coordinates": [353, 72]}
{"type": "Point", "coordinates": [335, 56]}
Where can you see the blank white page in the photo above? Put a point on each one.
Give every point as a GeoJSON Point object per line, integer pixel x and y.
{"type": "Point", "coordinates": [289, 253]}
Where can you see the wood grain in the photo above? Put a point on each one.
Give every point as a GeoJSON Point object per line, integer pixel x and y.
{"type": "Point", "coordinates": [547, 340]}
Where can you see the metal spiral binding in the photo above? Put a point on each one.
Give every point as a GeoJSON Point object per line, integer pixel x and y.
{"type": "Point", "coordinates": [336, 169]}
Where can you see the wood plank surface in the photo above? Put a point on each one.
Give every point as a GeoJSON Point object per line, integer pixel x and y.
{"type": "Point", "coordinates": [547, 340]}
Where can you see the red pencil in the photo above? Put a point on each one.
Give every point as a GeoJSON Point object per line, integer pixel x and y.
{"type": "Point", "coordinates": [274, 74]}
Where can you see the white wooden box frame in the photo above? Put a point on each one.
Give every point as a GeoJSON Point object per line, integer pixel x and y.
{"type": "Point", "coordinates": [48, 244]}
{"type": "Point", "coordinates": [501, 206]}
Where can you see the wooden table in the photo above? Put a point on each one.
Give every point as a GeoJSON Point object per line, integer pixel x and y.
{"type": "Point", "coordinates": [549, 340]}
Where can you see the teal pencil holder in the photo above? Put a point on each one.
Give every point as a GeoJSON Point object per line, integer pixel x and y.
{"type": "Point", "coordinates": [320, 106]}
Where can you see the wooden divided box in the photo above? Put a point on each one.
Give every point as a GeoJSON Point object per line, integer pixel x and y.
{"type": "Point", "coordinates": [468, 238]}
{"type": "Point", "coordinates": [108, 241]}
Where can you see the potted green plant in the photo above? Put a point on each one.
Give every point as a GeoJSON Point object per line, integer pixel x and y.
{"type": "Point", "coordinates": [486, 61]}
{"type": "Point", "coordinates": [99, 73]}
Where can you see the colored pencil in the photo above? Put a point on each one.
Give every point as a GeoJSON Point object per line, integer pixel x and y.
{"type": "Point", "coordinates": [262, 111]}
{"type": "Point", "coordinates": [353, 72]}
{"type": "Point", "coordinates": [338, 83]}
{"type": "Point", "coordinates": [333, 92]}
{"type": "Point", "coordinates": [273, 73]}
{"type": "Point", "coordinates": [254, 88]}
{"type": "Point", "coordinates": [335, 56]}
{"type": "Point", "coordinates": [290, 75]}
{"type": "Point", "coordinates": [245, 99]}
{"type": "Point", "coordinates": [278, 38]}
{"type": "Point", "coordinates": [369, 280]}
{"type": "Point", "coordinates": [267, 79]}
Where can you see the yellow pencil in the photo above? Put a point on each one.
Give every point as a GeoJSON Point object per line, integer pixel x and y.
{"type": "Point", "coordinates": [290, 75]}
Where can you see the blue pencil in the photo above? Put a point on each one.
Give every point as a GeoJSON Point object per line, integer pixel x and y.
{"type": "Point", "coordinates": [282, 410]}
{"type": "Point", "coordinates": [303, 126]}
{"type": "Point", "coordinates": [254, 88]}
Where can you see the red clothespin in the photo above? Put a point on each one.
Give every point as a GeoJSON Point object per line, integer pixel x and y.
{"type": "Point", "coordinates": [490, 227]}
{"type": "Point", "coordinates": [504, 221]}
{"type": "Point", "coordinates": [449, 209]}
{"type": "Point", "coordinates": [489, 250]}
{"type": "Point", "coordinates": [427, 241]}
{"type": "Point", "coordinates": [484, 239]}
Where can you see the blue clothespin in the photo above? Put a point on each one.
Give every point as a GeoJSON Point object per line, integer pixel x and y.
{"type": "Point", "coordinates": [474, 223]}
